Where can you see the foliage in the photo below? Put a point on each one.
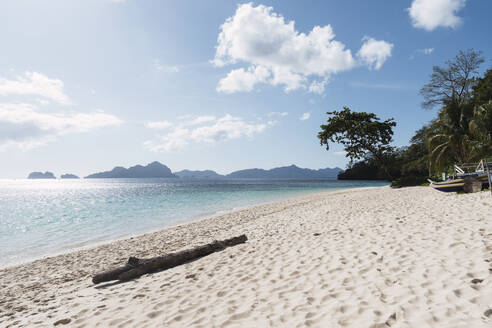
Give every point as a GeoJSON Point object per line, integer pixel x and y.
{"type": "Point", "coordinates": [482, 90]}
{"type": "Point", "coordinates": [369, 169]}
{"type": "Point", "coordinates": [481, 129]}
{"type": "Point", "coordinates": [361, 134]}
{"type": "Point", "coordinates": [456, 133]}
{"type": "Point", "coordinates": [408, 181]}
{"type": "Point", "coordinates": [453, 82]}
{"type": "Point", "coordinates": [461, 132]}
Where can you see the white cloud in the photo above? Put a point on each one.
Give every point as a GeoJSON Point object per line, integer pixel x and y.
{"type": "Point", "coordinates": [158, 125]}
{"type": "Point", "coordinates": [425, 51]}
{"type": "Point", "coordinates": [165, 68]}
{"type": "Point", "coordinates": [374, 52]}
{"type": "Point", "coordinates": [201, 119]}
{"type": "Point", "coordinates": [24, 127]}
{"type": "Point", "coordinates": [318, 86]}
{"type": "Point", "coordinates": [305, 116]}
{"type": "Point", "coordinates": [281, 114]}
{"type": "Point", "coordinates": [205, 129]}
{"type": "Point", "coordinates": [275, 53]}
{"type": "Point", "coordinates": [430, 14]}
{"type": "Point", "coordinates": [240, 79]}
{"type": "Point", "coordinates": [35, 84]}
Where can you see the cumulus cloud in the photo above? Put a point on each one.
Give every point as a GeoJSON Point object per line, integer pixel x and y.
{"type": "Point", "coordinates": [205, 129]}
{"type": "Point", "coordinates": [430, 14]}
{"type": "Point", "coordinates": [34, 84]}
{"type": "Point", "coordinates": [276, 53]}
{"type": "Point", "coordinates": [305, 116]}
{"type": "Point", "coordinates": [24, 126]}
{"type": "Point", "coordinates": [318, 86]}
{"type": "Point", "coordinates": [374, 53]}
{"type": "Point", "coordinates": [243, 80]}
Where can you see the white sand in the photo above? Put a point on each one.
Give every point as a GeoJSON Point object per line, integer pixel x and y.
{"type": "Point", "coordinates": [398, 258]}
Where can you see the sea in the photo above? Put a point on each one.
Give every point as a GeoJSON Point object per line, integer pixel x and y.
{"type": "Point", "coordinates": [39, 218]}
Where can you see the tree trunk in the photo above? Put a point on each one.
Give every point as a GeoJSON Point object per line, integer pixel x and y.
{"type": "Point", "coordinates": [137, 267]}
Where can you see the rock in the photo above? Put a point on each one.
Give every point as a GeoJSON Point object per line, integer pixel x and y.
{"type": "Point", "coordinates": [65, 321]}
{"type": "Point", "coordinates": [488, 313]}
{"type": "Point", "coordinates": [191, 276]}
{"type": "Point", "coordinates": [41, 175]}
{"type": "Point", "coordinates": [316, 234]}
{"type": "Point", "coordinates": [476, 281]}
{"type": "Point", "coordinates": [69, 176]}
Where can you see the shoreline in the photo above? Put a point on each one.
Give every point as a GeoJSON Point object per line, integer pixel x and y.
{"type": "Point", "coordinates": [89, 244]}
{"type": "Point", "coordinates": [349, 258]}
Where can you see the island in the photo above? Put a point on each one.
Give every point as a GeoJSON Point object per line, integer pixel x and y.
{"type": "Point", "coordinates": [206, 174]}
{"type": "Point", "coordinates": [41, 175]}
{"type": "Point", "coordinates": [152, 170]}
{"type": "Point", "coordinates": [286, 172]}
{"type": "Point", "coordinates": [159, 170]}
{"type": "Point", "coordinates": [69, 176]}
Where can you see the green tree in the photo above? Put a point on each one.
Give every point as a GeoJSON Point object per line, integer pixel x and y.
{"type": "Point", "coordinates": [415, 158]}
{"type": "Point", "coordinates": [451, 88]}
{"type": "Point", "coordinates": [481, 129]}
{"type": "Point", "coordinates": [361, 134]}
{"type": "Point", "coordinates": [482, 90]}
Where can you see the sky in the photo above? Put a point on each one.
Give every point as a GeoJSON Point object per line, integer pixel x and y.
{"type": "Point", "coordinates": [225, 85]}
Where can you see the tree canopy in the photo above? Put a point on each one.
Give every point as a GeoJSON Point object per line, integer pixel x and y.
{"type": "Point", "coordinates": [360, 133]}
{"type": "Point", "coordinates": [452, 82]}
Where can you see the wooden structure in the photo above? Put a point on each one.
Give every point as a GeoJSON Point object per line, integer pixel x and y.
{"type": "Point", "coordinates": [136, 267]}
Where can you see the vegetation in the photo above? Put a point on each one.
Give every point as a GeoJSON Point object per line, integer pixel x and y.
{"type": "Point", "coordinates": [461, 132]}
{"type": "Point", "coordinates": [362, 134]}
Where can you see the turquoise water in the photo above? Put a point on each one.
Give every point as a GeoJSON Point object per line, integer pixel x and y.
{"type": "Point", "coordinates": [42, 217]}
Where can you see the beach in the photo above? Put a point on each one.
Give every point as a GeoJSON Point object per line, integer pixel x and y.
{"type": "Point", "coordinates": [369, 257]}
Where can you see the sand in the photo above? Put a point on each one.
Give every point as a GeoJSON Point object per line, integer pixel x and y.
{"type": "Point", "coordinates": [377, 257]}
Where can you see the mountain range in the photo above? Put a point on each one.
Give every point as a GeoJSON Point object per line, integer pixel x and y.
{"type": "Point", "coordinates": [158, 170]}
{"type": "Point", "coordinates": [152, 170]}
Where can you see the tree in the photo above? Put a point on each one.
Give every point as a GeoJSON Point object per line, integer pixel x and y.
{"type": "Point", "coordinates": [449, 141]}
{"type": "Point", "coordinates": [451, 88]}
{"type": "Point", "coordinates": [361, 134]}
{"type": "Point", "coordinates": [453, 82]}
{"type": "Point", "coordinates": [482, 90]}
{"type": "Point", "coordinates": [415, 158]}
{"type": "Point", "coordinates": [481, 129]}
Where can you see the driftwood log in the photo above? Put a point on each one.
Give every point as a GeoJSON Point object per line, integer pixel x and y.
{"type": "Point", "coordinates": [137, 267]}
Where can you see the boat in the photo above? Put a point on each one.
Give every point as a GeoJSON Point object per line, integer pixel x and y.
{"type": "Point", "coordinates": [456, 182]}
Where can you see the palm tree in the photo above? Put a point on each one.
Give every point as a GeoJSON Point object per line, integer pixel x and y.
{"type": "Point", "coordinates": [480, 127]}
{"type": "Point", "coordinates": [449, 139]}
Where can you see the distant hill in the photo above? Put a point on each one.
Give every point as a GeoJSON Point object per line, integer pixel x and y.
{"type": "Point", "coordinates": [41, 175]}
{"type": "Point", "coordinates": [158, 170]}
{"type": "Point", "coordinates": [286, 172]}
{"type": "Point", "coordinates": [207, 174]}
{"type": "Point", "coordinates": [69, 176]}
{"type": "Point", "coordinates": [152, 170]}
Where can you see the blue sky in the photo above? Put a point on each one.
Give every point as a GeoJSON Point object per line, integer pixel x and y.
{"type": "Point", "coordinates": [88, 85]}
